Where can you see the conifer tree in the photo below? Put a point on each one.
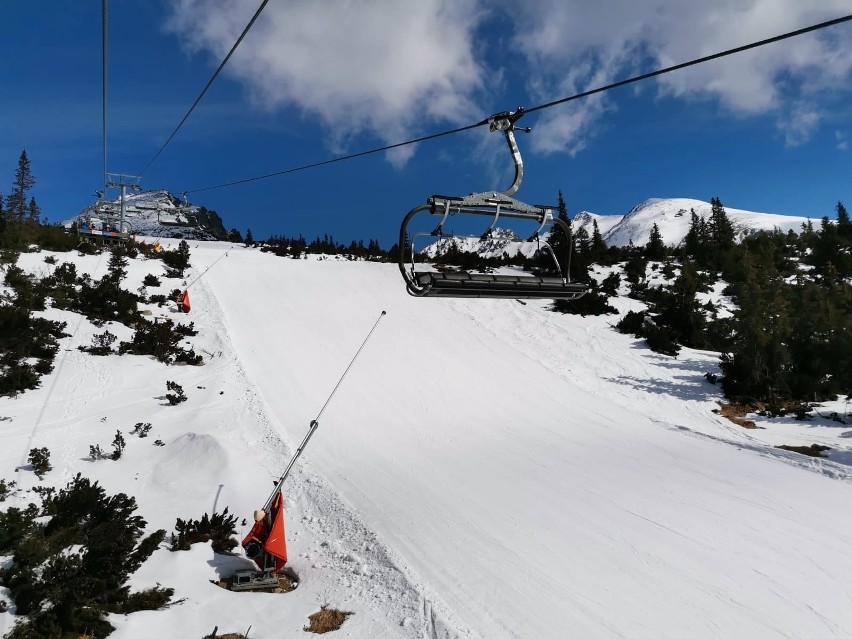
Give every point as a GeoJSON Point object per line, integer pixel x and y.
{"type": "Point", "coordinates": [118, 264]}
{"type": "Point", "coordinates": [655, 249]}
{"type": "Point", "coordinates": [557, 239]}
{"type": "Point", "coordinates": [24, 182]}
{"type": "Point", "coordinates": [33, 211]}
{"type": "Point", "coordinates": [844, 226]}
{"type": "Point", "coordinates": [682, 312]}
{"type": "Point", "coordinates": [598, 247]}
{"type": "Point", "coordinates": [721, 230]}
{"type": "Point", "coordinates": [693, 240]}
{"type": "Point", "coordinates": [756, 368]}
{"type": "Point", "coordinates": [183, 254]}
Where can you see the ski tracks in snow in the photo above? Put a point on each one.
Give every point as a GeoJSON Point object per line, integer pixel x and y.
{"type": "Point", "coordinates": [76, 391]}
{"type": "Point", "coordinates": [590, 367]}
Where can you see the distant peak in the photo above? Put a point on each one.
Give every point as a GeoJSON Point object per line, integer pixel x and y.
{"type": "Point", "coordinates": [647, 203]}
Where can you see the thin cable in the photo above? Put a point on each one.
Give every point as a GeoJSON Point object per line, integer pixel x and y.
{"type": "Point", "coordinates": [209, 83]}
{"type": "Point", "coordinates": [340, 381]}
{"type": "Point", "coordinates": [608, 87]}
{"type": "Point", "coordinates": [340, 159]}
{"type": "Point", "coordinates": [315, 422]}
{"type": "Point", "coordinates": [104, 84]}
{"type": "Point", "coordinates": [683, 65]}
{"type": "Point", "coordinates": [225, 254]}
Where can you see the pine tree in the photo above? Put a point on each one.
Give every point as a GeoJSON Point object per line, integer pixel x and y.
{"type": "Point", "coordinates": [844, 226]}
{"type": "Point", "coordinates": [249, 238]}
{"type": "Point", "coordinates": [758, 365]}
{"type": "Point", "coordinates": [721, 230]}
{"type": "Point", "coordinates": [680, 310]}
{"type": "Point", "coordinates": [692, 241]}
{"type": "Point", "coordinates": [24, 182]}
{"type": "Point", "coordinates": [598, 248]}
{"type": "Point", "coordinates": [33, 211]}
{"type": "Point", "coordinates": [655, 249]}
{"type": "Point", "coordinates": [183, 254]}
{"type": "Point", "coordinates": [118, 264]}
{"type": "Point", "coordinates": [558, 242]}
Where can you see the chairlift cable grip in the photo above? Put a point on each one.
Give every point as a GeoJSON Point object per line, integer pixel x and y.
{"type": "Point", "coordinates": [315, 421]}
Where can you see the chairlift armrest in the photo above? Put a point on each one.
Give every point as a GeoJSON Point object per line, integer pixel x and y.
{"type": "Point", "coordinates": [451, 198]}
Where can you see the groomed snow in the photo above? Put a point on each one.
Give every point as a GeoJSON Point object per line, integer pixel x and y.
{"type": "Point", "coordinates": [487, 469]}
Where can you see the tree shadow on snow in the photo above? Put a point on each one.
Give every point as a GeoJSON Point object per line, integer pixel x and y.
{"type": "Point", "coordinates": [692, 387]}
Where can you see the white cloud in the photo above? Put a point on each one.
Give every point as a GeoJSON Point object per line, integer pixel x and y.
{"type": "Point", "coordinates": [842, 142]}
{"type": "Point", "coordinates": [397, 69]}
{"type": "Point", "coordinates": [384, 68]}
{"type": "Point", "coordinates": [574, 45]}
{"type": "Point", "coordinates": [798, 126]}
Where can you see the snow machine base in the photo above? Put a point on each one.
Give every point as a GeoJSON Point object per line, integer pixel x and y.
{"type": "Point", "coordinates": [263, 581]}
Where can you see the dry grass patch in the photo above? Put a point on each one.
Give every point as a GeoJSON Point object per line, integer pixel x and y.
{"type": "Point", "coordinates": [735, 413]}
{"type": "Point", "coordinates": [814, 450]}
{"type": "Point", "coordinates": [326, 620]}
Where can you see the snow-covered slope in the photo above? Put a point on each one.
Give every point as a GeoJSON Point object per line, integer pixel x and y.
{"type": "Point", "coordinates": [488, 469]}
{"type": "Point", "coordinates": [672, 216]}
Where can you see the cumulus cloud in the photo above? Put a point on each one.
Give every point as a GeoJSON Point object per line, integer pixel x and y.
{"type": "Point", "coordinates": [798, 126]}
{"type": "Point", "coordinates": [395, 70]}
{"type": "Point", "coordinates": [577, 45]}
{"type": "Point", "coordinates": [386, 68]}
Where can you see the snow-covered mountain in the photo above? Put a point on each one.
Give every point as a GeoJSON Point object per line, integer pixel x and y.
{"type": "Point", "coordinates": [156, 213]}
{"type": "Point", "coordinates": [500, 241]}
{"type": "Point", "coordinates": [488, 469]}
{"type": "Point", "coordinates": [672, 216]}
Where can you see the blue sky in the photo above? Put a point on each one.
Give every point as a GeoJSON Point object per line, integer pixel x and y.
{"type": "Point", "coordinates": [768, 130]}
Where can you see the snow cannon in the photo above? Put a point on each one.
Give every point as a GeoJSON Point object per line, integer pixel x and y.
{"type": "Point", "coordinates": [266, 544]}
{"type": "Point", "coordinates": [183, 302]}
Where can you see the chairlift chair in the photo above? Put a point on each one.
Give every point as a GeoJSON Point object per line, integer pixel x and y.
{"type": "Point", "coordinates": [423, 283]}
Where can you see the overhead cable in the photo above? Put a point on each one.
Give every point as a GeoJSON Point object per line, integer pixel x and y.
{"type": "Point", "coordinates": [338, 159]}
{"type": "Point", "coordinates": [209, 83]}
{"type": "Point", "coordinates": [104, 85]}
{"type": "Point", "coordinates": [683, 65]}
{"type": "Point", "coordinates": [584, 94]}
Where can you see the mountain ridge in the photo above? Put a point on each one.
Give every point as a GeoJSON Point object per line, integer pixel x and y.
{"type": "Point", "coordinates": [672, 216]}
{"type": "Point", "coordinates": [158, 213]}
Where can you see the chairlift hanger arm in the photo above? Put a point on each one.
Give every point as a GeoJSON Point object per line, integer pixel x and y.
{"type": "Point", "coordinates": [505, 122]}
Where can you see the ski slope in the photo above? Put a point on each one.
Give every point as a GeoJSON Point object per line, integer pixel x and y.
{"type": "Point", "coordinates": [488, 469]}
